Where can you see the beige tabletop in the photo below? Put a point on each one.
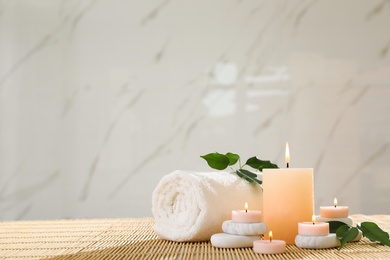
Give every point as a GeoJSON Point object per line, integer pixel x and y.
{"type": "Point", "coordinates": [134, 238]}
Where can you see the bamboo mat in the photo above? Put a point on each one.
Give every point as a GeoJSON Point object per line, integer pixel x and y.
{"type": "Point", "coordinates": [135, 239]}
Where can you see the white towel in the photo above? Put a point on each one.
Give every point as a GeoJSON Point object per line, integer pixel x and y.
{"type": "Point", "coordinates": [191, 206]}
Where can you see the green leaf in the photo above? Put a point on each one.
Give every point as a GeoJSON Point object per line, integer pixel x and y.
{"type": "Point", "coordinates": [258, 164]}
{"type": "Point", "coordinates": [247, 175]}
{"type": "Point", "coordinates": [334, 225]}
{"type": "Point", "coordinates": [216, 160]}
{"type": "Point", "coordinates": [374, 233]}
{"type": "Point", "coordinates": [346, 234]}
{"type": "Point", "coordinates": [233, 158]}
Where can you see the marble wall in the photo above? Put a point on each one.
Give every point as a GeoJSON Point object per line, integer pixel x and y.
{"type": "Point", "coordinates": [101, 98]}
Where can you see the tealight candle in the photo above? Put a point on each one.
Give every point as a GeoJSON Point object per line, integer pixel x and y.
{"type": "Point", "coordinates": [335, 211]}
{"type": "Point", "coordinates": [246, 216]}
{"type": "Point", "coordinates": [313, 228]}
{"type": "Point", "coordinates": [269, 246]}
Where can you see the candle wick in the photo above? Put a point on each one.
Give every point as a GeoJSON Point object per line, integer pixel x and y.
{"type": "Point", "coordinates": [335, 205]}
{"type": "Point", "coordinates": [288, 165]}
{"type": "Point", "coordinates": [313, 223]}
{"type": "Point", "coordinates": [270, 239]}
{"type": "Point", "coordinates": [246, 211]}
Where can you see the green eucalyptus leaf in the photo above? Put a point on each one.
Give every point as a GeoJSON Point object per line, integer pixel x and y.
{"type": "Point", "coordinates": [258, 164]}
{"type": "Point", "coordinates": [341, 231]}
{"type": "Point", "coordinates": [233, 158]}
{"type": "Point", "coordinates": [247, 175]}
{"type": "Point", "coordinates": [346, 234]}
{"type": "Point", "coordinates": [334, 225]}
{"type": "Point", "coordinates": [374, 233]}
{"type": "Point", "coordinates": [216, 160]}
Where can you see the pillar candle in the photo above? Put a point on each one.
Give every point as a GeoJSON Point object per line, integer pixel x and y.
{"type": "Point", "coordinates": [288, 198]}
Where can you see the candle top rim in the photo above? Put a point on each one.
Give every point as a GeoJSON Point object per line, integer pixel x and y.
{"type": "Point", "coordinates": [266, 241]}
{"type": "Point", "coordinates": [244, 210]}
{"type": "Point", "coordinates": [315, 223]}
{"type": "Point", "coordinates": [334, 207]}
{"type": "Point", "coordinates": [288, 169]}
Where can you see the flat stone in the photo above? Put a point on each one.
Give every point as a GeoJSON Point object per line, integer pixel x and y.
{"type": "Point", "coordinates": [359, 236]}
{"type": "Point", "coordinates": [317, 242]}
{"type": "Point", "coordinates": [232, 241]}
{"type": "Point", "coordinates": [244, 229]}
{"type": "Point", "coordinates": [347, 221]}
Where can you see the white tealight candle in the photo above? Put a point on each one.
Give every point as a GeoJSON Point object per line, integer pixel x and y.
{"type": "Point", "coordinates": [269, 246]}
{"type": "Point", "coordinates": [313, 228]}
{"type": "Point", "coordinates": [335, 211]}
{"type": "Point", "coordinates": [246, 216]}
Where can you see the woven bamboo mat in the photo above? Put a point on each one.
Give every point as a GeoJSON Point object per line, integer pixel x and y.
{"type": "Point", "coordinates": [135, 239]}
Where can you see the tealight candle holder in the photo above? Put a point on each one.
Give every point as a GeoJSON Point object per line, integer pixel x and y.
{"type": "Point", "coordinates": [335, 213]}
{"type": "Point", "coordinates": [246, 216]}
{"type": "Point", "coordinates": [269, 246]}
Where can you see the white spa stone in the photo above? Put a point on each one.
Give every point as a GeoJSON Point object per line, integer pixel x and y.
{"type": "Point", "coordinates": [232, 241]}
{"type": "Point", "coordinates": [359, 236]}
{"type": "Point", "coordinates": [347, 221]}
{"type": "Point", "coordinates": [317, 242]}
{"type": "Point", "coordinates": [244, 229]}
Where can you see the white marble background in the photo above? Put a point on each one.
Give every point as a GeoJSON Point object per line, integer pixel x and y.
{"type": "Point", "coordinates": [101, 98]}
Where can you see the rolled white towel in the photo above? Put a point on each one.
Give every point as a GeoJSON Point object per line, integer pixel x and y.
{"type": "Point", "coordinates": [191, 206]}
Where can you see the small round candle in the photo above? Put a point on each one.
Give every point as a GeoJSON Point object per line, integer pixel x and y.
{"type": "Point", "coordinates": [269, 246]}
{"type": "Point", "coordinates": [313, 228]}
{"type": "Point", "coordinates": [246, 216]}
{"type": "Point", "coordinates": [335, 211]}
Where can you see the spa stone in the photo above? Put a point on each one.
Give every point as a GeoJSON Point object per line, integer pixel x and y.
{"type": "Point", "coordinates": [317, 242]}
{"type": "Point", "coordinates": [244, 229]}
{"type": "Point", "coordinates": [347, 221]}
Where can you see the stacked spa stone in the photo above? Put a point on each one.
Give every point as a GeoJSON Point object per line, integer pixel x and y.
{"type": "Point", "coordinates": [337, 213]}
{"type": "Point", "coordinates": [309, 236]}
{"type": "Point", "coordinates": [239, 232]}
{"type": "Point", "coordinates": [315, 235]}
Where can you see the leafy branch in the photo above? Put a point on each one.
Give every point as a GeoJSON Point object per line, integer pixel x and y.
{"type": "Point", "coordinates": [220, 161]}
{"type": "Point", "coordinates": [346, 233]}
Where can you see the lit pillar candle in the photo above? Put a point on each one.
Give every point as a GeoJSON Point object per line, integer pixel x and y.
{"type": "Point", "coordinates": [335, 211]}
{"type": "Point", "coordinates": [246, 216]}
{"type": "Point", "coordinates": [313, 228]}
{"type": "Point", "coordinates": [288, 198]}
{"type": "Point", "coordinates": [269, 246]}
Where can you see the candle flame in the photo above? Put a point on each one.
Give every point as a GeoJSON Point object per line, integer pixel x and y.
{"type": "Point", "coordinates": [287, 155]}
{"type": "Point", "coordinates": [270, 236]}
{"type": "Point", "coordinates": [246, 205]}
{"type": "Point", "coordinates": [335, 202]}
{"type": "Point", "coordinates": [313, 219]}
